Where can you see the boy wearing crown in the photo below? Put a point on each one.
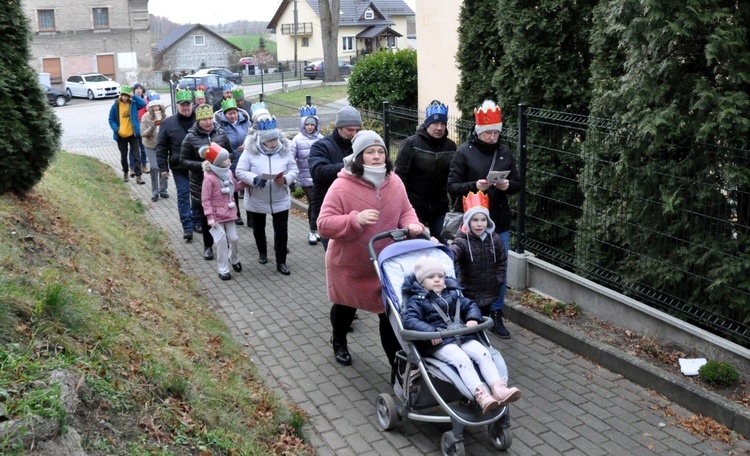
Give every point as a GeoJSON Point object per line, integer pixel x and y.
{"type": "Point", "coordinates": [126, 129]}
{"type": "Point", "coordinates": [423, 163]}
{"type": "Point", "coordinates": [481, 153]}
{"type": "Point", "coordinates": [480, 253]}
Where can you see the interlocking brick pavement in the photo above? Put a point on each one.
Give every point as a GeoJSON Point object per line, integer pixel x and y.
{"type": "Point", "coordinates": [569, 405]}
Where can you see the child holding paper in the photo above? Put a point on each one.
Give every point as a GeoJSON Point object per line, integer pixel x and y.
{"type": "Point", "coordinates": [218, 204]}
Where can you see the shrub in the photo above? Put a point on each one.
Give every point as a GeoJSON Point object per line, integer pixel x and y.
{"type": "Point", "coordinates": [384, 76]}
{"type": "Point", "coordinates": [31, 130]}
{"type": "Point", "coordinates": [718, 373]}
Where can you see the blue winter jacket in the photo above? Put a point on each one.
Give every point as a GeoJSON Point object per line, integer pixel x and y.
{"type": "Point", "coordinates": [420, 314]}
{"type": "Point", "coordinates": [136, 103]}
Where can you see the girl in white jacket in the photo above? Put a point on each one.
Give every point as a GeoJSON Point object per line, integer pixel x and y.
{"type": "Point", "coordinates": [268, 168]}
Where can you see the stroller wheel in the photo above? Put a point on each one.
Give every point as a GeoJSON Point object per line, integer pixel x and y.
{"type": "Point", "coordinates": [500, 436]}
{"type": "Point", "coordinates": [455, 449]}
{"type": "Point", "coordinates": [387, 413]}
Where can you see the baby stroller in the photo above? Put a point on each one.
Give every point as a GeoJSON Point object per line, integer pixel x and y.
{"type": "Point", "coordinates": [425, 388]}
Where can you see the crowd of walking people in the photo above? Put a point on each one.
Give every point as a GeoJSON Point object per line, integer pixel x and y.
{"type": "Point", "coordinates": [221, 154]}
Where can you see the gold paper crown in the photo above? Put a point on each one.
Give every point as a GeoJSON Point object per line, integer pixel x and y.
{"type": "Point", "coordinates": [488, 114]}
{"type": "Point", "coordinates": [204, 111]}
{"type": "Point", "coordinates": [476, 199]}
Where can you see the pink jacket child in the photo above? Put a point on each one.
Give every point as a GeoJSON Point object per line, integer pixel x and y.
{"type": "Point", "coordinates": [217, 198]}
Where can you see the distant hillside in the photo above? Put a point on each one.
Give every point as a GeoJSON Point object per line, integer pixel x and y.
{"type": "Point", "coordinates": [161, 27]}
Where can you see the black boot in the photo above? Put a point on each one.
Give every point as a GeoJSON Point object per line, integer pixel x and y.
{"type": "Point", "coordinates": [342, 354]}
{"type": "Point", "coordinates": [499, 328]}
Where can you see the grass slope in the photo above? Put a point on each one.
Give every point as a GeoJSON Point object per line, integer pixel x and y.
{"type": "Point", "coordinates": [89, 285]}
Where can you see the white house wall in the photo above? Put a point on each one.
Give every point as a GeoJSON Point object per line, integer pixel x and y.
{"type": "Point", "coordinates": [285, 43]}
{"type": "Point", "coordinates": [437, 32]}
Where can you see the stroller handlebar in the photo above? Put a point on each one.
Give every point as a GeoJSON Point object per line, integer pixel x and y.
{"type": "Point", "coordinates": [410, 335]}
{"type": "Point", "coordinates": [397, 235]}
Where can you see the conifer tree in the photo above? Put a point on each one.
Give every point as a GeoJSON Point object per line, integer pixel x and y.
{"type": "Point", "coordinates": [31, 131]}
{"type": "Point", "coordinates": [479, 51]}
{"type": "Point", "coordinates": [545, 64]}
{"type": "Point", "coordinates": [676, 78]}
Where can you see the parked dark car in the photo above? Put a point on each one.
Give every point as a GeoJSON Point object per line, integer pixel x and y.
{"type": "Point", "coordinates": [317, 69]}
{"type": "Point", "coordinates": [234, 78]}
{"type": "Point", "coordinates": [212, 82]}
{"type": "Point", "coordinates": [56, 97]}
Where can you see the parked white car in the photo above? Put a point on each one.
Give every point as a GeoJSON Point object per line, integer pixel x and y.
{"type": "Point", "coordinates": [91, 86]}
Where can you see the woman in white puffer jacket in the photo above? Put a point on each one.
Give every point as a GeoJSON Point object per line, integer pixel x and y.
{"type": "Point", "coordinates": [268, 168]}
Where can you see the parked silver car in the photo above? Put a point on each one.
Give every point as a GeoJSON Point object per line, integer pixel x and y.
{"type": "Point", "coordinates": [91, 86]}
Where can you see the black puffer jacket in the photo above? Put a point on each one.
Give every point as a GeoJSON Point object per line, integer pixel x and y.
{"type": "Point", "coordinates": [169, 142]}
{"type": "Point", "coordinates": [482, 265]}
{"type": "Point", "coordinates": [471, 162]}
{"type": "Point", "coordinates": [423, 163]}
{"type": "Point", "coordinates": [191, 160]}
{"type": "Point", "coordinates": [326, 159]}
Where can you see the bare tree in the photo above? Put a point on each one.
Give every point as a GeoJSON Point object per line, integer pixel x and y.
{"type": "Point", "coordinates": [329, 25]}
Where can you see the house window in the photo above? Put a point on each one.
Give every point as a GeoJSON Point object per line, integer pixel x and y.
{"type": "Point", "coordinates": [369, 14]}
{"type": "Point", "coordinates": [199, 40]}
{"type": "Point", "coordinates": [305, 42]}
{"type": "Point", "coordinates": [347, 43]}
{"type": "Point", "coordinates": [101, 18]}
{"type": "Point", "coordinates": [46, 20]}
{"type": "Point", "coordinates": [391, 40]}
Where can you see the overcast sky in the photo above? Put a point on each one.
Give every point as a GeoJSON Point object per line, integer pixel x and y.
{"type": "Point", "coordinates": [207, 12]}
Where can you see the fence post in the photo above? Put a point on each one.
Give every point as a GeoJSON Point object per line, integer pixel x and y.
{"type": "Point", "coordinates": [521, 218]}
{"type": "Point", "coordinates": [172, 95]}
{"type": "Point", "coordinates": [386, 126]}
{"type": "Point", "coordinates": [260, 97]}
{"type": "Point", "coordinates": [308, 100]}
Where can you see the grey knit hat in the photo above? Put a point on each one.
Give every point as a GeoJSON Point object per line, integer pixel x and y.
{"type": "Point", "coordinates": [364, 139]}
{"type": "Point", "coordinates": [348, 117]}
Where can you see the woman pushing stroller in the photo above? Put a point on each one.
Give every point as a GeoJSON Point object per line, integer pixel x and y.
{"type": "Point", "coordinates": [436, 304]}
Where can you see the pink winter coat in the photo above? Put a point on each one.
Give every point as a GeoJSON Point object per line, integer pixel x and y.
{"type": "Point", "coordinates": [350, 275]}
{"type": "Point", "coordinates": [216, 204]}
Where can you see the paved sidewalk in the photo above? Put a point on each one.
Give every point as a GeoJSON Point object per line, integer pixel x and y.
{"type": "Point", "coordinates": [569, 406]}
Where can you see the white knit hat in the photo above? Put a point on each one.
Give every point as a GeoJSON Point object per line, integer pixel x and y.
{"type": "Point", "coordinates": [426, 266]}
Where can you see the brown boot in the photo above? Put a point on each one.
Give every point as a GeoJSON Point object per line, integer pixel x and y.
{"type": "Point", "coordinates": [484, 400]}
{"type": "Point", "coordinates": [125, 176]}
{"type": "Point", "coordinates": [139, 180]}
{"type": "Point", "coordinates": [504, 395]}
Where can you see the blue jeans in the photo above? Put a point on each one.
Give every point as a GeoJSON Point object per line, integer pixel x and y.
{"type": "Point", "coordinates": [498, 305]}
{"type": "Point", "coordinates": [144, 158]}
{"type": "Point", "coordinates": [182, 185]}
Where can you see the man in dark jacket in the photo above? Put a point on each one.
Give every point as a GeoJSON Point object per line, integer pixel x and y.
{"type": "Point", "coordinates": [171, 134]}
{"type": "Point", "coordinates": [203, 133]}
{"type": "Point", "coordinates": [470, 167]}
{"type": "Point", "coordinates": [327, 158]}
{"type": "Point", "coordinates": [423, 163]}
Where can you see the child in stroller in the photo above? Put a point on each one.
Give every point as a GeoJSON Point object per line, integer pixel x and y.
{"type": "Point", "coordinates": [436, 304]}
{"type": "Point", "coordinates": [425, 388]}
